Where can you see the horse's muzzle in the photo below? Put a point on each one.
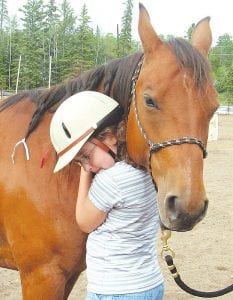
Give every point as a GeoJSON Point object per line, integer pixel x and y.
{"type": "Point", "coordinates": [177, 219]}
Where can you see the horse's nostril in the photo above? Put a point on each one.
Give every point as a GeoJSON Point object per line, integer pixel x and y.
{"type": "Point", "coordinates": [171, 206]}
{"type": "Point", "coordinates": [179, 216]}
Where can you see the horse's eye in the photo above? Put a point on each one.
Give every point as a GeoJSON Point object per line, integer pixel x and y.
{"type": "Point", "coordinates": [149, 102]}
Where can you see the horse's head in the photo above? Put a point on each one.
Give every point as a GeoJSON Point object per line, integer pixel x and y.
{"type": "Point", "coordinates": [174, 98]}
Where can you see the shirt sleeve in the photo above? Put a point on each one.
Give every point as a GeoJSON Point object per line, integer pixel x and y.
{"type": "Point", "coordinates": [104, 192]}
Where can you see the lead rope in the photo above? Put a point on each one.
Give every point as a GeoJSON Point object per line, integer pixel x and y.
{"type": "Point", "coordinates": [166, 234]}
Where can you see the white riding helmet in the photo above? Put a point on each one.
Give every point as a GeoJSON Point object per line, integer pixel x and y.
{"type": "Point", "coordinates": [74, 122]}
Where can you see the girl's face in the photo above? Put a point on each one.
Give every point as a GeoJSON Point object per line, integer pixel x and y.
{"type": "Point", "coordinates": [93, 158]}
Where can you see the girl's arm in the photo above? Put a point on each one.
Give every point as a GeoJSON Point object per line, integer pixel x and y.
{"type": "Point", "coordinates": [88, 216]}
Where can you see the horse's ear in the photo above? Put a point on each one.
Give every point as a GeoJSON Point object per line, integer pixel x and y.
{"type": "Point", "coordinates": [148, 36]}
{"type": "Point", "coordinates": [202, 36]}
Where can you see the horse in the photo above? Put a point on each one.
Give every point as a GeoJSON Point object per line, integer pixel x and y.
{"type": "Point", "coordinates": [168, 99]}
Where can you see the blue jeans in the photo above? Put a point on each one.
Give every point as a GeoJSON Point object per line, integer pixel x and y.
{"type": "Point", "coordinates": [153, 294]}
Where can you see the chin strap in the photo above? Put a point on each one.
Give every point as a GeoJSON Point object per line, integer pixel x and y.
{"type": "Point", "coordinates": [103, 147]}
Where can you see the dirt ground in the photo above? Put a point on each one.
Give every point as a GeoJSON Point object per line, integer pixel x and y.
{"type": "Point", "coordinates": [204, 255]}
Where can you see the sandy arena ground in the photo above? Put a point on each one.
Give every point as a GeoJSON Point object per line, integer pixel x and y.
{"type": "Point", "coordinates": [204, 255]}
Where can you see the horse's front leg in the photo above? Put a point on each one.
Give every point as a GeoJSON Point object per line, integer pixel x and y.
{"type": "Point", "coordinates": [45, 282]}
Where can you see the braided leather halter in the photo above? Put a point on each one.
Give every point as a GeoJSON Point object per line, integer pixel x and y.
{"type": "Point", "coordinates": [155, 147]}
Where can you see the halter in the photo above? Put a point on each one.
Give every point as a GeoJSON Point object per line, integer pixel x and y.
{"type": "Point", "coordinates": [155, 147]}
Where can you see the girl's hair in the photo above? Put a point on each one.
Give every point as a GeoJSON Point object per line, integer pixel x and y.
{"type": "Point", "coordinates": [119, 131]}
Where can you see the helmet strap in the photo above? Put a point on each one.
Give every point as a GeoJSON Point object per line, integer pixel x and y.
{"type": "Point", "coordinates": [103, 147]}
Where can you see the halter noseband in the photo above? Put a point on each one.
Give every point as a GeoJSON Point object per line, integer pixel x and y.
{"type": "Point", "coordinates": [155, 147]}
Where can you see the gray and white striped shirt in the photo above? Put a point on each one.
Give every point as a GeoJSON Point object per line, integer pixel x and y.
{"type": "Point", "coordinates": [121, 254]}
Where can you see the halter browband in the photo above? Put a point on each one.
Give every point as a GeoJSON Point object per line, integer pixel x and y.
{"type": "Point", "coordinates": [155, 147]}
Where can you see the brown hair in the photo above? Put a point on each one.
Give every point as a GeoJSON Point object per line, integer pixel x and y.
{"type": "Point", "coordinates": [119, 131]}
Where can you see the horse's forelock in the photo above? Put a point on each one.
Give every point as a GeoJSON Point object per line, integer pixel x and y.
{"type": "Point", "coordinates": [189, 57]}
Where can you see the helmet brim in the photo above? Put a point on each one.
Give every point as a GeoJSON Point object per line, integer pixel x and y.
{"type": "Point", "coordinates": [67, 157]}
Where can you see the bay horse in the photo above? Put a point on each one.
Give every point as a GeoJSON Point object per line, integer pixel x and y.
{"type": "Point", "coordinates": [169, 102]}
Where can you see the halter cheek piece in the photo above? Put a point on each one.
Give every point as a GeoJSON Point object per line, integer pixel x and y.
{"type": "Point", "coordinates": [155, 147]}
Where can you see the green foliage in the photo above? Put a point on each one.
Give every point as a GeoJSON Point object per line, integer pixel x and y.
{"type": "Point", "coordinates": [3, 44]}
{"type": "Point", "coordinates": [105, 47]}
{"type": "Point", "coordinates": [51, 21]}
{"type": "Point", "coordinates": [15, 38]}
{"type": "Point", "coordinates": [32, 45]}
{"type": "Point", "coordinates": [188, 33]}
{"type": "Point", "coordinates": [109, 47]}
{"type": "Point", "coordinates": [65, 48]}
{"type": "Point", "coordinates": [125, 39]}
{"type": "Point", "coordinates": [3, 15]}
{"type": "Point", "coordinates": [226, 98]}
{"type": "Point", "coordinates": [52, 33]}
{"type": "Point", "coordinates": [86, 42]}
{"type": "Point", "coordinates": [221, 58]}
{"type": "Point", "coordinates": [52, 40]}
{"type": "Point", "coordinates": [3, 61]}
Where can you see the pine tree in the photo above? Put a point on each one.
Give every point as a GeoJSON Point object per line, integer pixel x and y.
{"type": "Point", "coordinates": [3, 14]}
{"type": "Point", "coordinates": [125, 40]}
{"type": "Point", "coordinates": [65, 42]}
{"type": "Point", "coordinates": [51, 35]}
{"type": "Point", "coordinates": [3, 62]}
{"type": "Point", "coordinates": [86, 42]}
{"type": "Point", "coordinates": [110, 47]}
{"type": "Point", "coordinates": [32, 50]}
{"type": "Point", "coordinates": [14, 42]}
{"type": "Point", "coordinates": [3, 45]}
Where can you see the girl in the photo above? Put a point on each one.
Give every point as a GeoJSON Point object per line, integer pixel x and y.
{"type": "Point", "coordinates": [117, 208]}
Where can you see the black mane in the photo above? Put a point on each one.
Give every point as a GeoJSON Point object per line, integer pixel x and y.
{"type": "Point", "coordinates": [115, 76]}
{"type": "Point", "coordinates": [116, 79]}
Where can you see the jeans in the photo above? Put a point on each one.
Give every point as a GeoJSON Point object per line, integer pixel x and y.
{"type": "Point", "coordinates": [153, 294]}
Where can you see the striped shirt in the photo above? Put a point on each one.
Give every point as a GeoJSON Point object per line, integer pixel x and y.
{"type": "Point", "coordinates": [121, 254]}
